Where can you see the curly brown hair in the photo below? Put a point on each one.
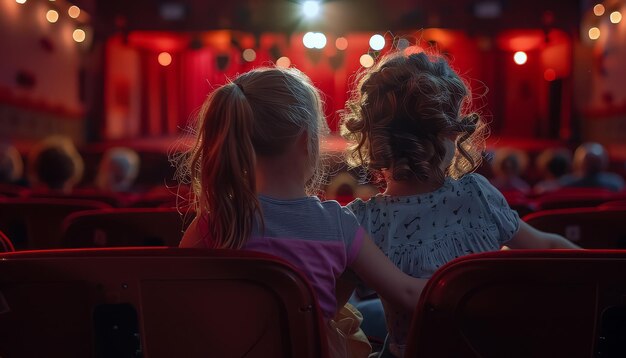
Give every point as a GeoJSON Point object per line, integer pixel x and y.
{"type": "Point", "coordinates": [400, 109]}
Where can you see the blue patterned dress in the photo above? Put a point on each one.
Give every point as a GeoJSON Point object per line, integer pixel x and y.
{"type": "Point", "coordinates": [420, 233]}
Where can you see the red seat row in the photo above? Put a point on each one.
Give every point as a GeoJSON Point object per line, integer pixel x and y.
{"type": "Point", "coordinates": [164, 302]}
{"type": "Point", "coordinates": [155, 302]}
{"type": "Point", "coordinates": [38, 223]}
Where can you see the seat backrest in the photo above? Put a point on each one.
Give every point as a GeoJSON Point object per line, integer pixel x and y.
{"type": "Point", "coordinates": [156, 302]}
{"type": "Point", "coordinates": [575, 198]}
{"type": "Point", "coordinates": [613, 204]}
{"type": "Point", "coordinates": [125, 227]}
{"type": "Point", "coordinates": [111, 199]}
{"type": "Point", "coordinates": [591, 228]}
{"type": "Point", "coordinates": [5, 243]}
{"type": "Point", "coordinates": [34, 223]}
{"type": "Point", "coordinates": [524, 304]}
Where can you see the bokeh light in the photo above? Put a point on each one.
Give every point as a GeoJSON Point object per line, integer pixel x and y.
{"type": "Point", "coordinates": [549, 75]}
{"type": "Point", "coordinates": [366, 61]}
{"type": "Point", "coordinates": [594, 33]}
{"type": "Point", "coordinates": [598, 10]}
{"type": "Point", "coordinates": [249, 55]}
{"type": "Point", "coordinates": [311, 9]}
{"type": "Point", "coordinates": [341, 43]}
{"type": "Point", "coordinates": [377, 42]}
{"type": "Point", "coordinates": [79, 35]}
{"type": "Point", "coordinates": [403, 43]}
{"type": "Point", "coordinates": [52, 16]}
{"type": "Point", "coordinates": [520, 57]}
{"type": "Point", "coordinates": [314, 40]}
{"type": "Point", "coordinates": [73, 11]}
{"type": "Point", "coordinates": [165, 59]}
{"type": "Point", "coordinates": [283, 62]}
{"type": "Point", "coordinates": [615, 17]}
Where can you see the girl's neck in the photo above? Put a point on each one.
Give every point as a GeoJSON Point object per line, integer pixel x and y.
{"type": "Point", "coordinates": [410, 187]}
{"type": "Point", "coordinates": [280, 179]}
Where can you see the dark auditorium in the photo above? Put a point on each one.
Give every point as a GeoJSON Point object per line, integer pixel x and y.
{"type": "Point", "coordinates": [313, 178]}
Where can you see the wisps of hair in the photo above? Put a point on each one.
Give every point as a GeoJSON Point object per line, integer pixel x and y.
{"type": "Point", "coordinates": [398, 112]}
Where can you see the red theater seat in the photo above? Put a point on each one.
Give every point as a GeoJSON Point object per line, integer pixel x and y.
{"type": "Point", "coordinates": [524, 304]}
{"type": "Point", "coordinates": [125, 227]}
{"type": "Point", "coordinates": [111, 199]}
{"type": "Point", "coordinates": [155, 302]}
{"type": "Point", "coordinates": [613, 204]}
{"type": "Point", "coordinates": [591, 228]}
{"type": "Point", "coordinates": [576, 198]}
{"type": "Point", "coordinates": [34, 223]}
{"type": "Point", "coordinates": [5, 243]}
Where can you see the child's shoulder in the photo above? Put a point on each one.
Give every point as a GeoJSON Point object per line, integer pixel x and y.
{"type": "Point", "coordinates": [473, 181]}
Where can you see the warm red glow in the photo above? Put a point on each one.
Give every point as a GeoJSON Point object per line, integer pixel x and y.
{"type": "Point", "coordinates": [444, 38]}
{"type": "Point", "coordinates": [521, 40]}
{"type": "Point", "coordinates": [159, 41]}
{"type": "Point", "coordinates": [413, 49]}
{"type": "Point", "coordinates": [549, 75]}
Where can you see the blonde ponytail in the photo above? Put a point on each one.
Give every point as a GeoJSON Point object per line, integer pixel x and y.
{"type": "Point", "coordinates": [223, 161]}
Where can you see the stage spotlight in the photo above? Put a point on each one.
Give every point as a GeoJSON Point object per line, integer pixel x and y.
{"type": "Point", "coordinates": [311, 9]}
{"type": "Point", "coordinates": [520, 57]}
{"type": "Point", "coordinates": [377, 42]}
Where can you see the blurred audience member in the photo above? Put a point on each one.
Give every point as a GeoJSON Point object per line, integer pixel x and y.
{"type": "Point", "coordinates": [11, 165]}
{"type": "Point", "coordinates": [508, 166]}
{"type": "Point", "coordinates": [553, 165]}
{"type": "Point", "coordinates": [55, 164]}
{"type": "Point", "coordinates": [118, 170]}
{"type": "Point", "coordinates": [590, 163]}
{"type": "Point", "coordinates": [342, 188]}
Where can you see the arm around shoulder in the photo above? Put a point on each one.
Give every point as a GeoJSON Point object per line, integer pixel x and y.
{"type": "Point", "coordinates": [527, 237]}
{"type": "Point", "coordinates": [380, 274]}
